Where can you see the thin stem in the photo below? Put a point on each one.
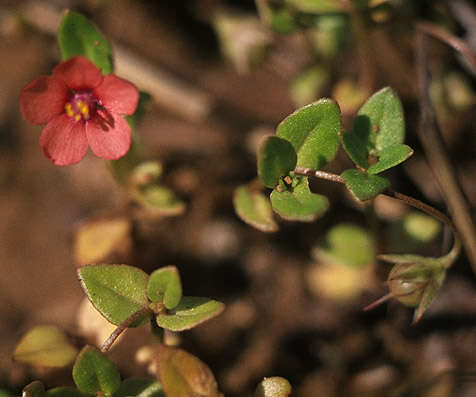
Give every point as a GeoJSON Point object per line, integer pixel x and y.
{"type": "Point", "coordinates": [122, 327]}
{"type": "Point", "coordinates": [452, 41]}
{"type": "Point", "coordinates": [319, 174]}
{"type": "Point", "coordinates": [449, 258]}
{"type": "Point", "coordinates": [429, 134]}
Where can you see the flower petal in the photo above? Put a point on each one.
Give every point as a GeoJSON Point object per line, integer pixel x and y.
{"type": "Point", "coordinates": [109, 135]}
{"type": "Point", "coordinates": [117, 95]}
{"type": "Point", "coordinates": [79, 73]}
{"type": "Point", "coordinates": [42, 99]}
{"type": "Point", "coordinates": [64, 140]}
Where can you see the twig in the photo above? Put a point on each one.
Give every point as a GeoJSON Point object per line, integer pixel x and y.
{"type": "Point", "coordinates": [420, 205]}
{"type": "Point", "coordinates": [430, 137]}
{"type": "Point", "coordinates": [122, 327]}
{"type": "Point", "coordinates": [319, 174]}
{"type": "Point", "coordinates": [449, 39]}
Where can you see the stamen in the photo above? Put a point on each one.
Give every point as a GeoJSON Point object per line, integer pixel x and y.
{"type": "Point", "coordinates": [69, 110]}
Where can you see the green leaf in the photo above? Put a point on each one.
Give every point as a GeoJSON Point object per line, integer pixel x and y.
{"type": "Point", "coordinates": [390, 157]}
{"type": "Point", "coordinates": [184, 375]}
{"type": "Point", "coordinates": [78, 36]}
{"type": "Point", "coordinates": [164, 286]}
{"type": "Point", "coordinates": [317, 6]}
{"type": "Point", "coordinates": [45, 346]}
{"type": "Point", "coordinates": [254, 208]}
{"type": "Point", "coordinates": [159, 201]}
{"type": "Point", "coordinates": [97, 239]}
{"type": "Point", "coordinates": [276, 159]}
{"type": "Point", "coordinates": [313, 131]}
{"type": "Point", "coordinates": [379, 122]}
{"type": "Point", "coordinates": [348, 245]}
{"type": "Point", "coordinates": [306, 86]}
{"type": "Point", "coordinates": [356, 148]}
{"type": "Point", "coordinates": [93, 372]}
{"type": "Point", "coordinates": [116, 291]}
{"type": "Point", "coordinates": [65, 391]}
{"type": "Point", "coordinates": [421, 227]}
{"type": "Point", "coordinates": [190, 312]}
{"type": "Point", "coordinates": [299, 204]}
{"type": "Point", "coordinates": [273, 387]}
{"type": "Point", "coordinates": [362, 186]}
{"type": "Point", "coordinates": [34, 389]}
{"type": "Point", "coordinates": [139, 388]}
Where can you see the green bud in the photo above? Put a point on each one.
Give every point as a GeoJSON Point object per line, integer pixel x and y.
{"type": "Point", "coordinates": [407, 282]}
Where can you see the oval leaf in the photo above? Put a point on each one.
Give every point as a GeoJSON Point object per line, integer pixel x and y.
{"type": "Point", "coordinates": [164, 286]}
{"type": "Point", "coordinates": [97, 239]}
{"type": "Point", "coordinates": [363, 186]}
{"type": "Point", "coordinates": [139, 388]}
{"type": "Point", "coordinates": [78, 36]}
{"type": "Point", "coordinates": [45, 346]}
{"type": "Point", "coordinates": [379, 122]}
{"type": "Point", "coordinates": [116, 291]}
{"type": "Point", "coordinates": [390, 157]}
{"type": "Point", "coordinates": [347, 245]}
{"type": "Point", "coordinates": [34, 389]}
{"type": "Point", "coordinates": [190, 312]}
{"type": "Point", "coordinates": [300, 204]}
{"type": "Point", "coordinates": [93, 372]}
{"type": "Point", "coordinates": [276, 159]}
{"type": "Point", "coordinates": [356, 148]}
{"type": "Point", "coordinates": [273, 387]}
{"type": "Point", "coordinates": [184, 375]}
{"type": "Point", "coordinates": [313, 131]}
{"type": "Point", "coordinates": [159, 201]}
{"type": "Point", "coordinates": [254, 208]}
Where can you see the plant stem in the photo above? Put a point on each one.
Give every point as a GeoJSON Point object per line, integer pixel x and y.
{"type": "Point", "coordinates": [420, 205]}
{"type": "Point", "coordinates": [122, 327]}
{"type": "Point", "coordinates": [430, 136]}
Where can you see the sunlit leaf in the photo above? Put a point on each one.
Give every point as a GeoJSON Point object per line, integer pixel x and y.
{"type": "Point", "coordinates": [45, 346]}
{"type": "Point", "coordinates": [97, 239]}
{"type": "Point", "coordinates": [348, 245]}
{"type": "Point", "coordinates": [254, 208]}
{"type": "Point", "coordinates": [379, 122]}
{"type": "Point", "coordinates": [164, 286]}
{"type": "Point", "coordinates": [159, 201]}
{"type": "Point", "coordinates": [184, 375]}
{"type": "Point", "coordinates": [190, 312]}
{"type": "Point", "coordinates": [363, 186]}
{"type": "Point", "coordinates": [116, 291]}
{"type": "Point", "coordinates": [273, 387]}
{"type": "Point", "coordinates": [276, 158]}
{"type": "Point", "coordinates": [93, 372]}
{"type": "Point", "coordinates": [78, 36]}
{"type": "Point", "coordinates": [299, 204]}
{"type": "Point", "coordinates": [390, 157]}
{"type": "Point", "coordinates": [313, 131]}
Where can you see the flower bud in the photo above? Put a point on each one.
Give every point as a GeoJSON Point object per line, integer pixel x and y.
{"type": "Point", "coordinates": [407, 282]}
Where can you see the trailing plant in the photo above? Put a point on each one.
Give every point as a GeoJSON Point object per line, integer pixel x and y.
{"type": "Point", "coordinates": [305, 142]}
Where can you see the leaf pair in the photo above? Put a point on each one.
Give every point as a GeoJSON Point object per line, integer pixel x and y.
{"type": "Point", "coordinates": [307, 138]}
{"type": "Point", "coordinates": [120, 291]}
{"type": "Point", "coordinates": [375, 144]}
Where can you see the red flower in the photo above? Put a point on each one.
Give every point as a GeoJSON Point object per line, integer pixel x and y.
{"type": "Point", "coordinates": [79, 107]}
